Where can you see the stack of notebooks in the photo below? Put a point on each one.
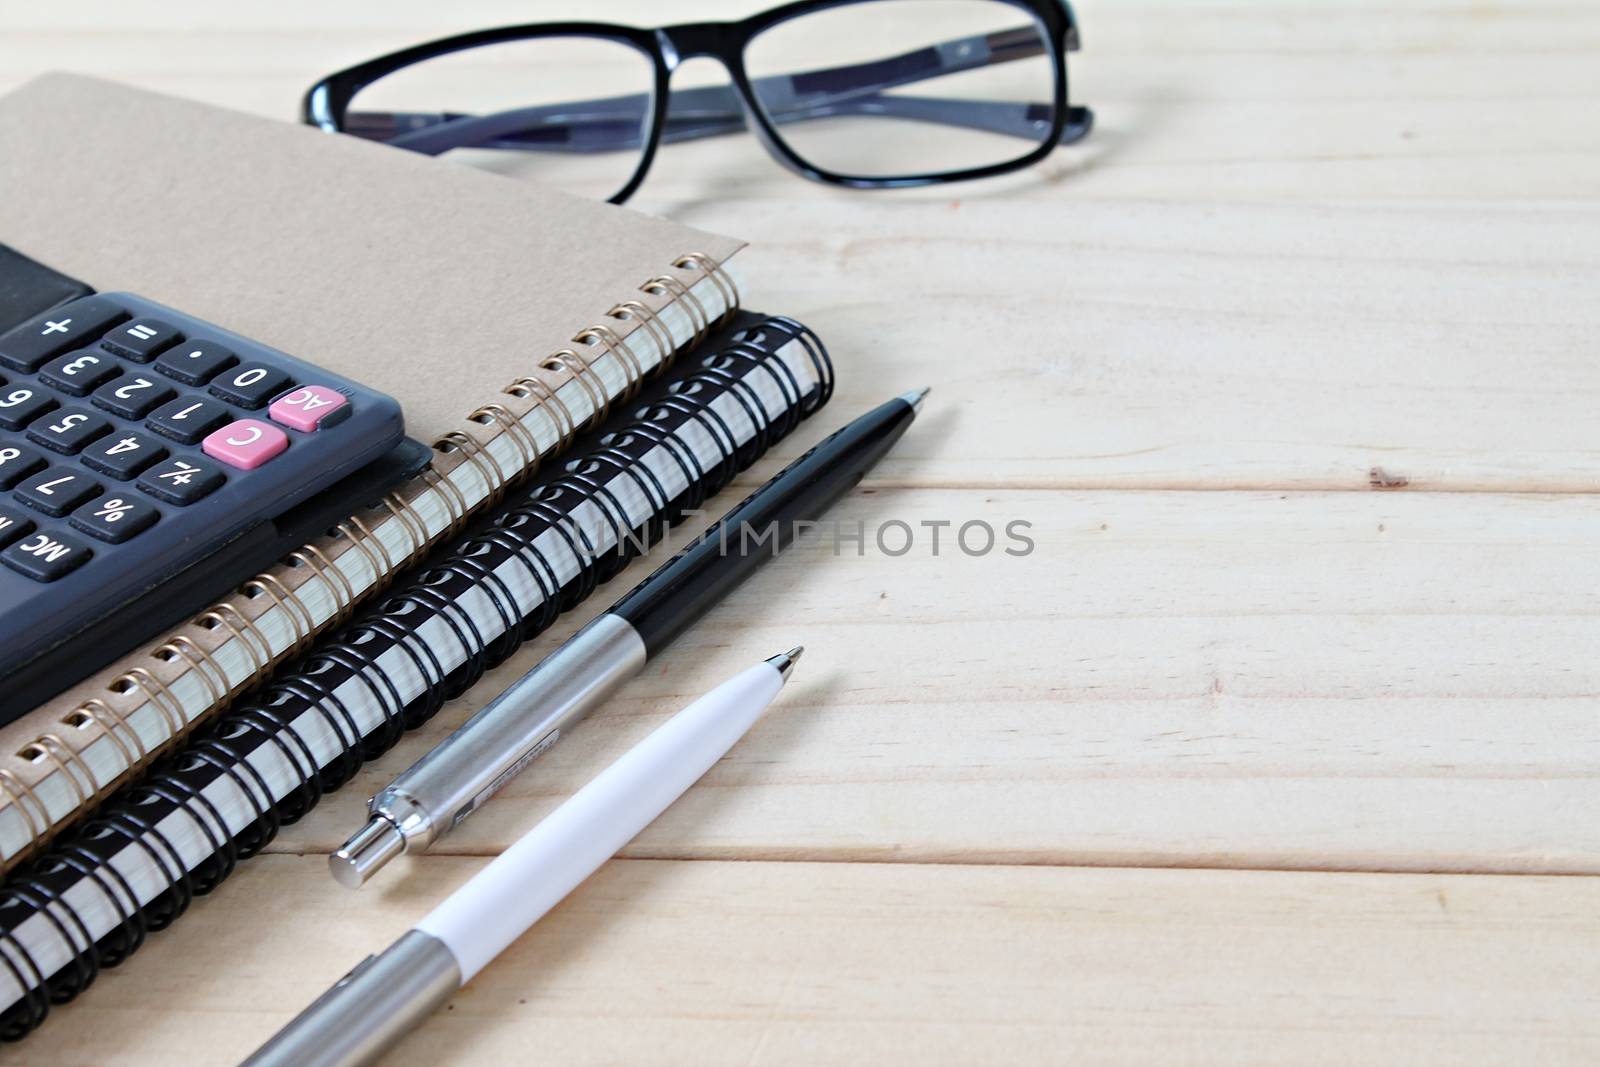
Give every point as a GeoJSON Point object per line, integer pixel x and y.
{"type": "Point", "coordinates": [514, 325]}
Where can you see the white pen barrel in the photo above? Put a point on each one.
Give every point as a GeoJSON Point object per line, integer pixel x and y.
{"type": "Point", "coordinates": [509, 895]}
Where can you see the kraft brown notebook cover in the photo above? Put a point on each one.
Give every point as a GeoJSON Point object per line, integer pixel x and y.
{"type": "Point", "coordinates": [502, 316]}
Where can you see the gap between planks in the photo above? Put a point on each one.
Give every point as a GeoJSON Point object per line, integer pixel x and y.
{"type": "Point", "coordinates": [937, 858]}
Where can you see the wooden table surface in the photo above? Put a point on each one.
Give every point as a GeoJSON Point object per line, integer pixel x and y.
{"type": "Point", "coordinates": [1280, 747]}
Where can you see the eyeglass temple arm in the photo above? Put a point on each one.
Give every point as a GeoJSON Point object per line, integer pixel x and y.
{"type": "Point", "coordinates": [611, 124]}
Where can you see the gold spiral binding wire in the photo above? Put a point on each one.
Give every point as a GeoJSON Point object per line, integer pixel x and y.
{"type": "Point", "coordinates": [299, 615]}
{"type": "Point", "coordinates": [691, 304]}
{"type": "Point", "coordinates": [640, 312]}
{"type": "Point", "coordinates": [454, 502]}
{"type": "Point", "coordinates": [632, 370]}
{"type": "Point", "coordinates": [313, 557]}
{"type": "Point", "coordinates": [260, 656]}
{"type": "Point", "coordinates": [100, 711]}
{"type": "Point", "coordinates": [520, 436]}
{"type": "Point", "coordinates": [67, 760]}
{"type": "Point", "coordinates": [20, 795]}
{"type": "Point", "coordinates": [364, 539]}
{"type": "Point", "coordinates": [574, 364]}
{"type": "Point", "coordinates": [546, 398]}
{"type": "Point", "coordinates": [718, 276]}
{"type": "Point", "coordinates": [195, 656]}
{"type": "Point", "coordinates": [411, 521]}
{"type": "Point", "coordinates": [495, 481]}
{"type": "Point", "coordinates": [158, 695]}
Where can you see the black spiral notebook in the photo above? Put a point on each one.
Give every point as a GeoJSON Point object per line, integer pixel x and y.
{"type": "Point", "coordinates": [135, 867]}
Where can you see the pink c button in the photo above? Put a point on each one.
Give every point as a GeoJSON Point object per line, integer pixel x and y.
{"type": "Point", "coordinates": [245, 444]}
{"type": "Point", "coordinates": [306, 407]}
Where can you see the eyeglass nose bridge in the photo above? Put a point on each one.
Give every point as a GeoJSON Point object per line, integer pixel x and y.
{"type": "Point", "coordinates": [695, 40]}
{"type": "Point", "coordinates": [722, 42]}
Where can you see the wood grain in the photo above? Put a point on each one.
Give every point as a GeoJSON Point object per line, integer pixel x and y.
{"type": "Point", "coordinates": [799, 963]}
{"type": "Point", "coordinates": [1332, 680]}
{"type": "Point", "coordinates": [1290, 367]}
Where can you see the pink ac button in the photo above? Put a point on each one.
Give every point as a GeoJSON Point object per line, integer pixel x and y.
{"type": "Point", "coordinates": [306, 407]}
{"type": "Point", "coordinates": [245, 444]}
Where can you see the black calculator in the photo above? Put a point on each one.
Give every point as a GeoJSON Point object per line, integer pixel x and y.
{"type": "Point", "coordinates": [151, 461]}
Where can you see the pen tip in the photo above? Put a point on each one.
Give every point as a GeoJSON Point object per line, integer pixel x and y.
{"type": "Point", "coordinates": [785, 661]}
{"type": "Point", "coordinates": [915, 397]}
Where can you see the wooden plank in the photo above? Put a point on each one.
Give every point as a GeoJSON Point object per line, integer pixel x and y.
{"type": "Point", "coordinates": [1255, 275]}
{"type": "Point", "coordinates": [770, 964]}
{"type": "Point", "coordinates": [1317, 100]}
{"type": "Point", "coordinates": [1309, 247]}
{"type": "Point", "coordinates": [1328, 680]}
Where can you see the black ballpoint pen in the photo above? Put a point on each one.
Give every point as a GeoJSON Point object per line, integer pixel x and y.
{"type": "Point", "coordinates": [449, 783]}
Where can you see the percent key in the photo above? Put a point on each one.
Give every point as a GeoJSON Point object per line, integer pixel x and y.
{"type": "Point", "coordinates": [115, 518]}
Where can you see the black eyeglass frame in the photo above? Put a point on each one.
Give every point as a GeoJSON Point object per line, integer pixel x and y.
{"type": "Point", "coordinates": [327, 102]}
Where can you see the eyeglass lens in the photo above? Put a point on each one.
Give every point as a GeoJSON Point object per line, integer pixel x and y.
{"type": "Point", "coordinates": [900, 87]}
{"type": "Point", "coordinates": [569, 112]}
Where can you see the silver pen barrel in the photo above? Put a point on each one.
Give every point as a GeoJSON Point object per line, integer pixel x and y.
{"type": "Point", "coordinates": [427, 800]}
{"type": "Point", "coordinates": [369, 1009]}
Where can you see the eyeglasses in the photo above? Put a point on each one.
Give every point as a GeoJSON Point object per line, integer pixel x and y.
{"type": "Point", "coordinates": [869, 94]}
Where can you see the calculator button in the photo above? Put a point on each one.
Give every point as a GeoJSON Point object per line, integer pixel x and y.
{"type": "Point", "coordinates": [13, 524]}
{"type": "Point", "coordinates": [57, 490]}
{"type": "Point", "coordinates": [16, 463]}
{"type": "Point", "coordinates": [250, 385]}
{"type": "Point", "coordinates": [68, 430]}
{"type": "Point", "coordinates": [21, 404]}
{"type": "Point", "coordinates": [246, 444]}
{"type": "Point", "coordinates": [79, 372]}
{"type": "Point", "coordinates": [196, 362]}
{"type": "Point", "coordinates": [132, 396]}
{"type": "Point", "coordinates": [115, 517]}
{"type": "Point", "coordinates": [44, 557]}
{"type": "Point", "coordinates": [35, 341]}
{"type": "Point", "coordinates": [307, 407]}
{"type": "Point", "coordinates": [181, 481]}
{"type": "Point", "coordinates": [188, 418]}
{"type": "Point", "coordinates": [123, 455]}
{"type": "Point", "coordinates": [142, 339]}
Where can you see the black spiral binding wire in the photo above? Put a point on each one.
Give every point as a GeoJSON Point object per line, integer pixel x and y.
{"type": "Point", "coordinates": [130, 819]}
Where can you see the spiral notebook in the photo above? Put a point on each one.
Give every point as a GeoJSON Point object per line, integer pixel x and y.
{"type": "Point", "coordinates": [505, 318]}
{"type": "Point", "coordinates": [136, 865]}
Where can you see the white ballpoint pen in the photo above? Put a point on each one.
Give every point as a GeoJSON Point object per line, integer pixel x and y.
{"type": "Point", "coordinates": [385, 996]}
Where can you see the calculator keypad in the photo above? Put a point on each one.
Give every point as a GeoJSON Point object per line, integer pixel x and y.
{"type": "Point", "coordinates": [151, 461]}
{"type": "Point", "coordinates": [123, 424]}
{"type": "Point", "coordinates": [110, 387]}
